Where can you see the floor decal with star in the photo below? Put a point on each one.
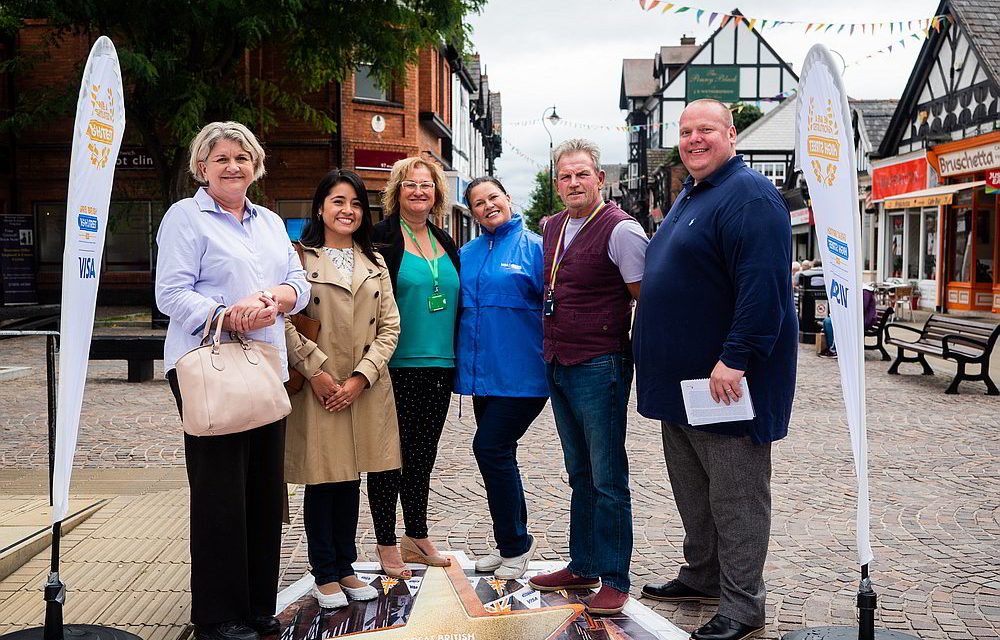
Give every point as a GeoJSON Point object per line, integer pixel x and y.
{"type": "Point", "coordinates": [459, 604]}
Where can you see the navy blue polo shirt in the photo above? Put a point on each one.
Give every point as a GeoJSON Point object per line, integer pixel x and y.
{"type": "Point", "coordinates": [717, 285]}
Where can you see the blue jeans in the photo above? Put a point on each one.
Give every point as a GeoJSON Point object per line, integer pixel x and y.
{"type": "Point", "coordinates": [828, 332]}
{"type": "Point", "coordinates": [500, 423]}
{"type": "Point", "coordinates": [589, 401]}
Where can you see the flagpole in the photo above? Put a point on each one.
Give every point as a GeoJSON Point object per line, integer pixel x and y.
{"type": "Point", "coordinates": [824, 151]}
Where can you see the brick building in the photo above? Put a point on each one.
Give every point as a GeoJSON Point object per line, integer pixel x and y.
{"type": "Point", "coordinates": [440, 108]}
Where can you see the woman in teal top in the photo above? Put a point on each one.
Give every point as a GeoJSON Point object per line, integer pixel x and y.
{"type": "Point", "coordinates": [423, 266]}
{"type": "Point", "coordinates": [429, 336]}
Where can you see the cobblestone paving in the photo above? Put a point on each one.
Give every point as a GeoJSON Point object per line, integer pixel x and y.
{"type": "Point", "coordinates": [935, 482]}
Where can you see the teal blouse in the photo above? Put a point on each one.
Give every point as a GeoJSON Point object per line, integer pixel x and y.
{"type": "Point", "coordinates": [426, 339]}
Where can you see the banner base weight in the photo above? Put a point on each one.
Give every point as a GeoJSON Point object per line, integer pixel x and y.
{"type": "Point", "coordinates": [843, 633]}
{"type": "Point", "coordinates": [74, 632]}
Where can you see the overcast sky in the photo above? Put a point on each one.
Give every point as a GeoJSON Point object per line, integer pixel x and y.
{"type": "Point", "coordinates": [568, 53]}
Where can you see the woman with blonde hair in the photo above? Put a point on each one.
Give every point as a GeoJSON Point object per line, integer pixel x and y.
{"type": "Point", "coordinates": [423, 267]}
{"type": "Point", "coordinates": [221, 253]}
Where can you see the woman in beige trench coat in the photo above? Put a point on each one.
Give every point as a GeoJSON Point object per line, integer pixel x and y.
{"type": "Point", "coordinates": [344, 421]}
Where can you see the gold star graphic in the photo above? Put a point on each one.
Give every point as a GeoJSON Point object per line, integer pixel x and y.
{"type": "Point", "coordinates": [447, 606]}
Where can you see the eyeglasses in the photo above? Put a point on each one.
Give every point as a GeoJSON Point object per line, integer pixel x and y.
{"type": "Point", "coordinates": [410, 185]}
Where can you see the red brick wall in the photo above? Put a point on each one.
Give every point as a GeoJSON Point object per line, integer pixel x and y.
{"type": "Point", "coordinates": [298, 154]}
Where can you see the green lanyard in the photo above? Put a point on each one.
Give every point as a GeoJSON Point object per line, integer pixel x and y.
{"type": "Point", "coordinates": [431, 264]}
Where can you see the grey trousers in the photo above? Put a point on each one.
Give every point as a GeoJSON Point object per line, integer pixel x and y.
{"type": "Point", "coordinates": [722, 487]}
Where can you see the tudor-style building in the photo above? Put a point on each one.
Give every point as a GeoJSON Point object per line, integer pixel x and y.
{"type": "Point", "coordinates": [735, 64]}
{"type": "Point", "coordinates": [935, 186]}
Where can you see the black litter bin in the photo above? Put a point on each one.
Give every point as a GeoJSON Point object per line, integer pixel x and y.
{"type": "Point", "coordinates": [812, 304]}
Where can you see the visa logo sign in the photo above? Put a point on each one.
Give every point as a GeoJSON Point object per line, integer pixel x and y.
{"type": "Point", "coordinates": [87, 223]}
{"type": "Point", "coordinates": [87, 267]}
{"type": "Point", "coordinates": [838, 293]}
{"type": "Point", "coordinates": [836, 247]}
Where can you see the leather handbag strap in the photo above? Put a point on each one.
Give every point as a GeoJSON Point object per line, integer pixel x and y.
{"type": "Point", "coordinates": [208, 323]}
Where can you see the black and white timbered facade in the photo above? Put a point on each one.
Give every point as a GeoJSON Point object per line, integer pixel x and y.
{"type": "Point", "coordinates": [735, 64]}
{"type": "Point", "coordinates": [938, 180]}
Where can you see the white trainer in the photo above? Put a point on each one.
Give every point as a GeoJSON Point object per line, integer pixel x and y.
{"type": "Point", "coordinates": [514, 568]}
{"type": "Point", "coordinates": [331, 601]}
{"type": "Point", "coordinates": [489, 563]}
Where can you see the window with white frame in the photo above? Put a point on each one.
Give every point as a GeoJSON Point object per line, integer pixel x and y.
{"type": "Point", "coordinates": [773, 171]}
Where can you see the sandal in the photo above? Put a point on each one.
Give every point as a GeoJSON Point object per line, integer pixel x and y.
{"type": "Point", "coordinates": [393, 572]}
{"type": "Point", "coordinates": [412, 553]}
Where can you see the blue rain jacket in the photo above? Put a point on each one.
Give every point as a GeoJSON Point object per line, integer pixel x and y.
{"type": "Point", "coordinates": [500, 327]}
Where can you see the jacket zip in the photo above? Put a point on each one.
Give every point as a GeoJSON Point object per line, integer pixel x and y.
{"type": "Point", "coordinates": [479, 315]}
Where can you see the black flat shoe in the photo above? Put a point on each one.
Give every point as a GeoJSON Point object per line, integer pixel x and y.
{"type": "Point", "coordinates": [265, 625]}
{"type": "Point", "coordinates": [676, 591]}
{"type": "Point", "coordinates": [722, 628]}
{"type": "Point", "coordinates": [225, 631]}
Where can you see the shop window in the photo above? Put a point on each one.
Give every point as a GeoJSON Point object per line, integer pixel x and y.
{"type": "Point", "coordinates": [128, 243]}
{"type": "Point", "coordinates": [913, 229]}
{"type": "Point", "coordinates": [50, 218]}
{"type": "Point", "coordinates": [985, 234]}
{"type": "Point", "coordinates": [896, 224]}
{"type": "Point", "coordinates": [928, 270]}
{"type": "Point", "coordinates": [961, 230]}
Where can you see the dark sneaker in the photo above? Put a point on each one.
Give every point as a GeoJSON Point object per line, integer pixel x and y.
{"type": "Point", "coordinates": [562, 579]}
{"type": "Point", "coordinates": [607, 602]}
{"type": "Point", "coordinates": [676, 591]}
{"type": "Point", "coordinates": [722, 628]}
{"type": "Point", "coordinates": [265, 625]}
{"type": "Point", "coordinates": [225, 631]}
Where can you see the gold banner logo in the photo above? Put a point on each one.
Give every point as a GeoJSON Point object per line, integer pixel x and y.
{"type": "Point", "coordinates": [100, 129]}
{"type": "Point", "coordinates": [823, 142]}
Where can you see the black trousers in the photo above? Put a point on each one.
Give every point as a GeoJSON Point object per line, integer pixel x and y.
{"type": "Point", "coordinates": [422, 397]}
{"type": "Point", "coordinates": [330, 514]}
{"type": "Point", "coordinates": [237, 483]}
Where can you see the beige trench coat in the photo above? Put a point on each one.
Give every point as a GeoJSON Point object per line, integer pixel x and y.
{"type": "Point", "coordinates": [359, 329]}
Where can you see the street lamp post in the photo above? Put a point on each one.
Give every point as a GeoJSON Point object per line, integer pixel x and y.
{"type": "Point", "coordinates": [554, 119]}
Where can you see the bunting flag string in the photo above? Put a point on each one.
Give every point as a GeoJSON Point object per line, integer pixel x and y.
{"type": "Point", "coordinates": [563, 122]}
{"type": "Point", "coordinates": [865, 28]}
{"type": "Point", "coordinates": [900, 44]}
{"type": "Point", "coordinates": [524, 156]}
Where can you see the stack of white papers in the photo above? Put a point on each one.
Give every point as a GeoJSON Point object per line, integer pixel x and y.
{"type": "Point", "coordinates": [701, 409]}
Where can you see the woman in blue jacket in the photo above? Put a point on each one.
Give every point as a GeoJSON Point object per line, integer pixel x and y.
{"type": "Point", "coordinates": [499, 361]}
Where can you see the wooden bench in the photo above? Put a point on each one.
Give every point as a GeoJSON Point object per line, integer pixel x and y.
{"type": "Point", "coordinates": [882, 318]}
{"type": "Point", "coordinates": [961, 340]}
{"type": "Point", "coordinates": [139, 351]}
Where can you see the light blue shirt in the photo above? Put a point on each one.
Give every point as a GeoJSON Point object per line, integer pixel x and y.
{"type": "Point", "coordinates": [207, 258]}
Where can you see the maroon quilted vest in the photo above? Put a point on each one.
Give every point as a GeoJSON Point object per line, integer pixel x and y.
{"type": "Point", "coordinates": [593, 309]}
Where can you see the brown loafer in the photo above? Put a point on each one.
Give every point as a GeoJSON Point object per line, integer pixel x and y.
{"type": "Point", "coordinates": [562, 579]}
{"type": "Point", "coordinates": [607, 602]}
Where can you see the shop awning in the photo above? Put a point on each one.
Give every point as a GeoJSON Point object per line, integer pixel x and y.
{"type": "Point", "coordinates": [929, 197]}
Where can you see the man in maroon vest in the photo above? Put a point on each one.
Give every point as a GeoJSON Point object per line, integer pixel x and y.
{"type": "Point", "coordinates": [594, 259]}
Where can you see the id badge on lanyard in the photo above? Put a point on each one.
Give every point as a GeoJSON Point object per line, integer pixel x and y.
{"type": "Point", "coordinates": [549, 304]}
{"type": "Point", "coordinates": [437, 300]}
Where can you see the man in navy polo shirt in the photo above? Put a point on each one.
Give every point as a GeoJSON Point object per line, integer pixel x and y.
{"type": "Point", "coordinates": [717, 304]}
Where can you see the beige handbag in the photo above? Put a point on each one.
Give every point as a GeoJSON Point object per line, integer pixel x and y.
{"type": "Point", "coordinates": [228, 387]}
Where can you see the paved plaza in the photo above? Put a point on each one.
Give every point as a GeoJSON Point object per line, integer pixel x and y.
{"type": "Point", "coordinates": [934, 472]}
